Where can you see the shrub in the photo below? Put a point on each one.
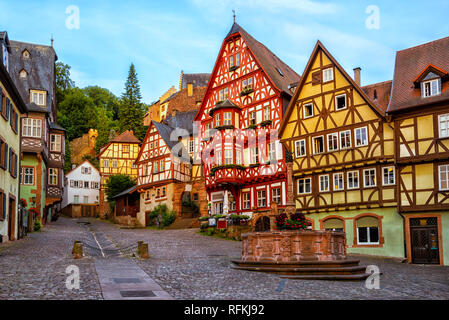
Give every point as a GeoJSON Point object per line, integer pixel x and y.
{"type": "Point", "coordinates": [210, 232]}
{"type": "Point", "coordinates": [220, 216]}
{"type": "Point", "coordinates": [203, 218]}
{"type": "Point", "coordinates": [168, 216]}
{"type": "Point", "coordinates": [37, 225]}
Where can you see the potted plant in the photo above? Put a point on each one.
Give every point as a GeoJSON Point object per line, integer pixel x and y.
{"type": "Point", "coordinates": [244, 220]}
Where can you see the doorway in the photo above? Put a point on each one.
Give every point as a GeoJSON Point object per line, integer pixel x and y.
{"type": "Point", "coordinates": [11, 219]}
{"type": "Point", "coordinates": [424, 241]}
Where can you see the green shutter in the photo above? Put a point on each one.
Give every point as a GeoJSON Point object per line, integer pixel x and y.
{"type": "Point", "coordinates": [7, 109]}
{"type": "Point", "coordinates": [6, 156]}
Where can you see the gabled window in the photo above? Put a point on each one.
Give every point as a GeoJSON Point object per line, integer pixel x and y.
{"type": "Point", "coordinates": [340, 102]}
{"type": "Point", "coordinates": [308, 110]}
{"type": "Point", "coordinates": [318, 145]}
{"type": "Point", "coordinates": [443, 123]}
{"type": "Point", "coordinates": [431, 88]}
{"type": "Point", "coordinates": [328, 74]}
{"type": "Point", "coordinates": [332, 141]}
{"type": "Point", "coordinates": [38, 97]}
{"type": "Point", "coordinates": [300, 148]}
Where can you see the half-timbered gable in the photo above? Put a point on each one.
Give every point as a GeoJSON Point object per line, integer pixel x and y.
{"type": "Point", "coordinates": [240, 114]}
{"type": "Point", "coordinates": [342, 146]}
{"type": "Point", "coordinates": [419, 108]}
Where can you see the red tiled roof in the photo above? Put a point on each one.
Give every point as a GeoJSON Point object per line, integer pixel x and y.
{"type": "Point", "coordinates": [410, 63]}
{"type": "Point", "coordinates": [126, 137]}
{"type": "Point", "coordinates": [379, 93]}
{"type": "Point", "coordinates": [181, 102]}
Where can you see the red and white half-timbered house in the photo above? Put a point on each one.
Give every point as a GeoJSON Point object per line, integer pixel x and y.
{"type": "Point", "coordinates": [242, 157]}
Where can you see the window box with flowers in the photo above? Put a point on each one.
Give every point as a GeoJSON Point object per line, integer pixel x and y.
{"type": "Point", "coordinates": [246, 91]}
{"type": "Point", "coordinates": [233, 68]}
{"type": "Point", "coordinates": [297, 221]}
{"type": "Point", "coordinates": [228, 127]}
{"type": "Point", "coordinates": [251, 127]}
{"type": "Point", "coordinates": [266, 123]}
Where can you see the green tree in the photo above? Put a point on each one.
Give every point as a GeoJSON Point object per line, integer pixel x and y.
{"type": "Point", "coordinates": [77, 113]}
{"type": "Point", "coordinates": [104, 99]}
{"type": "Point", "coordinates": [116, 184]}
{"type": "Point", "coordinates": [131, 107]}
{"type": "Point", "coordinates": [63, 81]}
{"type": "Point", "coordinates": [68, 157]}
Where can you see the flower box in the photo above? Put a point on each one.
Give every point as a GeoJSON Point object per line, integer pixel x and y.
{"type": "Point", "coordinates": [266, 123]}
{"type": "Point", "coordinates": [233, 68]}
{"type": "Point", "coordinates": [251, 127]}
{"type": "Point", "coordinates": [246, 92]}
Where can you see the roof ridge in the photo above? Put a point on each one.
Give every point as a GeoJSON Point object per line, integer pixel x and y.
{"type": "Point", "coordinates": [424, 44]}
{"type": "Point", "coordinates": [376, 84]}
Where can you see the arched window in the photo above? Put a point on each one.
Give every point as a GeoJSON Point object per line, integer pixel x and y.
{"type": "Point", "coordinates": [368, 230]}
{"type": "Point", "coordinates": [334, 224]}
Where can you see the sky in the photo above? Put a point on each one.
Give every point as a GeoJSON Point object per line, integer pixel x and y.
{"type": "Point", "coordinates": [100, 39]}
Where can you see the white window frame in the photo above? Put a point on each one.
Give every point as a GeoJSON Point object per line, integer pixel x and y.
{"type": "Point", "coordinates": [55, 143]}
{"type": "Point", "coordinates": [227, 118]}
{"type": "Point", "coordinates": [229, 157]}
{"type": "Point", "coordinates": [217, 120]}
{"type": "Point", "coordinates": [383, 176]}
{"type": "Point", "coordinates": [339, 178]}
{"type": "Point", "coordinates": [431, 92]}
{"type": "Point", "coordinates": [276, 196]}
{"type": "Point", "coordinates": [361, 130]}
{"type": "Point", "coordinates": [28, 174]}
{"type": "Point", "coordinates": [341, 139]}
{"type": "Point", "coordinates": [354, 174]}
{"type": "Point", "coordinates": [365, 180]}
{"type": "Point", "coordinates": [298, 148]}
{"type": "Point", "coordinates": [335, 138]}
{"type": "Point", "coordinates": [272, 157]}
{"type": "Point", "coordinates": [368, 236]}
{"type": "Point", "coordinates": [346, 102]}
{"type": "Point", "coordinates": [246, 201]}
{"type": "Point", "coordinates": [443, 118]}
{"type": "Point", "coordinates": [38, 97]}
{"type": "Point", "coordinates": [267, 113]}
{"type": "Point", "coordinates": [262, 199]}
{"type": "Point", "coordinates": [191, 146]}
{"type": "Point", "coordinates": [443, 168]}
{"type": "Point", "coordinates": [313, 144]}
{"type": "Point", "coordinates": [53, 175]}
{"type": "Point", "coordinates": [219, 158]}
{"type": "Point", "coordinates": [330, 72]}
{"type": "Point", "coordinates": [32, 128]}
{"type": "Point", "coordinates": [304, 110]}
{"type": "Point", "coordinates": [304, 180]}
{"type": "Point", "coordinates": [252, 116]}
{"type": "Point", "coordinates": [326, 181]}
{"type": "Point", "coordinates": [254, 155]}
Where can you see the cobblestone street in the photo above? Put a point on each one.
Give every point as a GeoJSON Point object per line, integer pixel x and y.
{"type": "Point", "coordinates": [187, 266]}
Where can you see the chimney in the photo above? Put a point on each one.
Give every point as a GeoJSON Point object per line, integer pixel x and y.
{"type": "Point", "coordinates": [357, 77]}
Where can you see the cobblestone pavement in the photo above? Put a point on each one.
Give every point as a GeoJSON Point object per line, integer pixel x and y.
{"type": "Point", "coordinates": [35, 267]}
{"type": "Point", "coordinates": [190, 266]}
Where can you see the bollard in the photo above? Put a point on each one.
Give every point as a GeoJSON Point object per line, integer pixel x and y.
{"type": "Point", "coordinates": [78, 250]}
{"type": "Point", "coordinates": [74, 244]}
{"type": "Point", "coordinates": [139, 246]}
{"type": "Point", "coordinates": [144, 251]}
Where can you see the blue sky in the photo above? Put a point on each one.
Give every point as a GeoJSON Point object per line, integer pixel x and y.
{"type": "Point", "coordinates": [164, 37]}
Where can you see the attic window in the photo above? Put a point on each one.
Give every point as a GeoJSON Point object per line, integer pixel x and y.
{"type": "Point", "coordinates": [23, 74]}
{"type": "Point", "coordinates": [26, 54]}
{"type": "Point", "coordinates": [280, 71]}
{"type": "Point", "coordinates": [375, 94]}
{"type": "Point", "coordinates": [431, 88]}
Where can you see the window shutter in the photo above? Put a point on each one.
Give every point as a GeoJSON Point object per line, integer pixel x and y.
{"type": "Point", "coordinates": [6, 156]}
{"type": "Point", "coordinates": [15, 165]}
{"type": "Point", "coordinates": [11, 115]}
{"type": "Point", "coordinates": [423, 92]}
{"type": "Point", "coordinates": [7, 109]}
{"type": "Point", "coordinates": [10, 160]}
{"type": "Point", "coordinates": [1, 101]}
{"type": "Point", "coordinates": [71, 183]}
{"type": "Point", "coordinates": [279, 151]}
{"type": "Point", "coordinates": [439, 85]}
{"type": "Point", "coordinates": [316, 78]}
{"type": "Point", "coordinates": [4, 206]}
{"type": "Point", "coordinates": [16, 122]}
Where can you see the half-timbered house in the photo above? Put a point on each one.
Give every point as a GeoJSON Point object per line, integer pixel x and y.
{"type": "Point", "coordinates": [165, 166]}
{"type": "Point", "coordinates": [117, 157]}
{"type": "Point", "coordinates": [342, 148]}
{"type": "Point", "coordinates": [420, 109]}
{"type": "Point", "coordinates": [243, 161]}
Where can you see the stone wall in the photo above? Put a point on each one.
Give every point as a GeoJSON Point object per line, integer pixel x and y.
{"type": "Point", "coordinates": [84, 145]}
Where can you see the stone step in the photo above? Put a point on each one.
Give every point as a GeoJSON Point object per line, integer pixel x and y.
{"type": "Point", "coordinates": [342, 277]}
{"type": "Point", "coordinates": [181, 223]}
{"type": "Point", "coordinates": [307, 271]}
{"type": "Point", "coordinates": [299, 264]}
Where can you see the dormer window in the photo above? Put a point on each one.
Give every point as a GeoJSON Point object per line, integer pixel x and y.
{"type": "Point", "coordinates": [431, 88]}
{"type": "Point", "coordinates": [23, 74]}
{"type": "Point", "coordinates": [38, 97]}
{"type": "Point", "coordinates": [26, 54]}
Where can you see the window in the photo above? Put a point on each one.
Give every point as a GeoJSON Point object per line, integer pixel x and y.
{"type": "Point", "coordinates": [276, 195]}
{"type": "Point", "coordinates": [28, 176]}
{"type": "Point", "coordinates": [254, 155]}
{"type": "Point", "coordinates": [3, 154]}
{"type": "Point", "coordinates": [369, 178]}
{"type": "Point", "coordinates": [361, 137]}
{"type": "Point", "coordinates": [324, 183]}
{"type": "Point", "coordinates": [318, 145]}
{"type": "Point", "coordinates": [267, 113]}
{"type": "Point", "coordinates": [32, 128]}
{"type": "Point", "coordinates": [218, 158]}
{"type": "Point", "coordinates": [217, 120]}
{"type": "Point", "coordinates": [246, 201]}
{"type": "Point", "coordinates": [86, 199]}
{"type": "Point", "coordinates": [334, 224]}
{"type": "Point", "coordinates": [114, 164]}
{"type": "Point", "coordinates": [106, 163]}
{"type": "Point", "coordinates": [304, 186]}
{"type": "Point", "coordinates": [86, 184]}
{"type": "Point", "coordinates": [164, 191]}
{"type": "Point", "coordinates": [227, 118]}
{"type": "Point", "coordinates": [238, 157]}
{"type": "Point", "coordinates": [195, 197]}
{"type": "Point", "coordinates": [53, 177]}
{"type": "Point", "coordinates": [162, 166]}
{"type": "Point", "coordinates": [338, 181]}
{"type": "Point", "coordinates": [252, 118]}
{"type": "Point", "coordinates": [431, 88]}
{"type": "Point", "coordinates": [234, 61]}
{"type": "Point", "coordinates": [353, 180]}
{"type": "Point", "coordinates": [125, 148]}
{"type": "Point", "coordinates": [237, 59]}
{"type": "Point", "coordinates": [231, 201]}
{"type": "Point", "coordinates": [207, 130]}
{"type": "Point", "coordinates": [247, 84]}
{"type": "Point", "coordinates": [191, 146]}
{"type": "Point", "coordinates": [156, 167]}
{"type": "Point", "coordinates": [55, 143]}
{"type": "Point", "coordinates": [389, 176]}
{"type": "Point", "coordinates": [38, 97]}
{"type": "Point", "coordinates": [345, 139]}
{"type": "Point", "coordinates": [300, 148]}
{"type": "Point", "coordinates": [226, 93]}
{"type": "Point", "coordinates": [340, 102]}
{"type": "Point", "coordinates": [261, 198]}
{"type": "Point", "coordinates": [272, 152]}
{"type": "Point", "coordinates": [228, 157]}
{"type": "Point", "coordinates": [308, 110]}
{"type": "Point", "coordinates": [328, 75]}
{"type": "Point", "coordinates": [443, 121]}
{"type": "Point", "coordinates": [221, 95]}
{"type": "Point", "coordinates": [444, 177]}
{"type": "Point", "coordinates": [332, 142]}
{"type": "Point", "coordinates": [76, 199]}
{"type": "Point", "coordinates": [368, 230]}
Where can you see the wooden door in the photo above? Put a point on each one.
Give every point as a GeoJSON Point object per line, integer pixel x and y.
{"type": "Point", "coordinates": [424, 241]}
{"type": "Point", "coordinates": [11, 220]}
{"type": "Point", "coordinates": [262, 225]}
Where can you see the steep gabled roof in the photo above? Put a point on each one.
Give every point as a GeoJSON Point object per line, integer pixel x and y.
{"type": "Point", "coordinates": [379, 93]}
{"type": "Point", "coordinates": [197, 79]}
{"type": "Point", "coordinates": [410, 64]}
{"type": "Point", "coordinates": [126, 137]}
{"type": "Point", "coordinates": [269, 62]}
{"type": "Point", "coordinates": [85, 161]}
{"type": "Point", "coordinates": [319, 46]}
{"type": "Point", "coordinates": [182, 102]}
